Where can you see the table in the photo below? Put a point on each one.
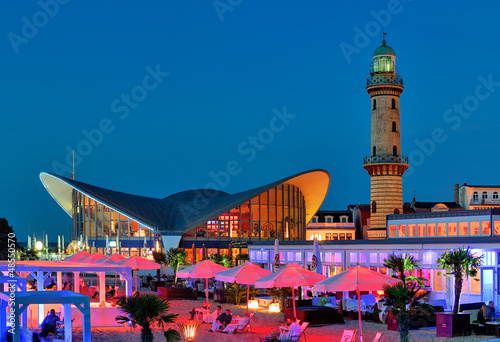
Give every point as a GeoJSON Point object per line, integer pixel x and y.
{"type": "Point", "coordinates": [496, 326]}
{"type": "Point", "coordinates": [316, 315]}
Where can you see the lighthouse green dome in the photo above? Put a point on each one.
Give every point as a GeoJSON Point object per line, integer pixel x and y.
{"type": "Point", "coordinates": [384, 50]}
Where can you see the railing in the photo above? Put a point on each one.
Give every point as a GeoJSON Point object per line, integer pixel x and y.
{"type": "Point", "coordinates": [384, 79]}
{"type": "Point", "coordinates": [382, 159]}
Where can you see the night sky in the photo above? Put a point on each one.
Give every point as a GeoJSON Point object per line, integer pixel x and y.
{"type": "Point", "coordinates": [158, 97]}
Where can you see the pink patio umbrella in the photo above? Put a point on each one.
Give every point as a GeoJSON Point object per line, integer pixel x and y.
{"type": "Point", "coordinates": [246, 274]}
{"type": "Point", "coordinates": [138, 263]}
{"type": "Point", "coordinates": [204, 270]}
{"type": "Point", "coordinates": [111, 260]}
{"type": "Point", "coordinates": [292, 275]}
{"type": "Point", "coordinates": [91, 259]}
{"type": "Point", "coordinates": [77, 256]}
{"type": "Point", "coordinates": [357, 279]}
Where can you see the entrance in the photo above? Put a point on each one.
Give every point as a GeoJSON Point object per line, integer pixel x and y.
{"type": "Point", "coordinates": [487, 284]}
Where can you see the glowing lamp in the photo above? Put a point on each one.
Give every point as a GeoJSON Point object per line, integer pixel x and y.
{"type": "Point", "coordinates": [188, 330]}
{"type": "Point", "coordinates": [380, 292]}
{"type": "Point", "coordinates": [39, 245]}
{"type": "Point", "coordinates": [253, 304]}
{"type": "Point", "coordinates": [274, 307]}
{"type": "Point", "coordinates": [112, 244]}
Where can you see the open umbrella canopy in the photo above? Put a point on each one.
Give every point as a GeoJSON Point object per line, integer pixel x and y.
{"type": "Point", "coordinates": [356, 278]}
{"type": "Point", "coordinates": [77, 256]}
{"type": "Point", "coordinates": [205, 269]}
{"type": "Point", "coordinates": [91, 259]}
{"type": "Point", "coordinates": [112, 259]}
{"type": "Point", "coordinates": [246, 273]}
{"type": "Point", "coordinates": [137, 262]}
{"type": "Point", "coordinates": [292, 275]}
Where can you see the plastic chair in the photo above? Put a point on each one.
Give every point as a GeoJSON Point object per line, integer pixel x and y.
{"type": "Point", "coordinates": [348, 335]}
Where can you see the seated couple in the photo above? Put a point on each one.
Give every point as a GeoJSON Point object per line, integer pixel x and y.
{"type": "Point", "coordinates": [294, 330]}
{"type": "Point", "coordinates": [206, 307]}
{"type": "Point", "coordinates": [224, 324]}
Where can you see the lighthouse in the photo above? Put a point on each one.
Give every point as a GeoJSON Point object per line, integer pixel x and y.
{"type": "Point", "coordinates": [385, 164]}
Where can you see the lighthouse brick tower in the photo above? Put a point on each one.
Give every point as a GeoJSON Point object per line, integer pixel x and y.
{"type": "Point", "coordinates": [385, 165]}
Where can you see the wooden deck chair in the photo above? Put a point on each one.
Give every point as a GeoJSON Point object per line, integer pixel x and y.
{"type": "Point", "coordinates": [303, 326]}
{"type": "Point", "coordinates": [378, 336]}
{"type": "Point", "coordinates": [348, 335]}
{"type": "Point", "coordinates": [247, 327]}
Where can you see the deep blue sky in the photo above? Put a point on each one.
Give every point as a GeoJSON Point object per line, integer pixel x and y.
{"type": "Point", "coordinates": [225, 78]}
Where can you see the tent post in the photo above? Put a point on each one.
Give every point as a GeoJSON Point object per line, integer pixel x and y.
{"type": "Point", "coordinates": [206, 292]}
{"type": "Point", "coordinates": [293, 301]}
{"type": "Point", "coordinates": [359, 315]}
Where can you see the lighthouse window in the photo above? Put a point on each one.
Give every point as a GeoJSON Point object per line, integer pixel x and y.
{"type": "Point", "coordinates": [395, 151]}
{"type": "Point", "coordinates": [394, 126]}
{"type": "Point", "coordinates": [374, 104]}
{"type": "Point", "coordinates": [374, 151]}
{"type": "Point", "coordinates": [393, 104]}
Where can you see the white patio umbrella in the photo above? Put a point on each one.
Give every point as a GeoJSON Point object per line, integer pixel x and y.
{"type": "Point", "coordinates": [316, 258]}
{"type": "Point", "coordinates": [246, 274]}
{"type": "Point", "coordinates": [276, 262]}
{"type": "Point", "coordinates": [290, 276]}
{"type": "Point", "coordinates": [357, 279]}
{"type": "Point", "coordinates": [138, 263]}
{"type": "Point", "coordinates": [205, 270]}
{"type": "Point", "coordinates": [112, 260]}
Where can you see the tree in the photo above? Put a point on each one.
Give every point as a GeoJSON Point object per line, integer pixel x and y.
{"type": "Point", "coordinates": [404, 297]}
{"type": "Point", "coordinates": [460, 263]}
{"type": "Point", "coordinates": [235, 292]}
{"type": "Point", "coordinates": [29, 254]}
{"type": "Point", "coordinates": [7, 236]}
{"type": "Point", "coordinates": [147, 310]}
{"type": "Point", "coordinates": [176, 257]}
{"type": "Point", "coordinates": [223, 260]}
{"type": "Point", "coordinates": [159, 258]}
{"type": "Point", "coordinates": [280, 293]}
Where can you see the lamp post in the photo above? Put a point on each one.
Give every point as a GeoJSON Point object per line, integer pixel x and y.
{"type": "Point", "coordinates": [39, 246]}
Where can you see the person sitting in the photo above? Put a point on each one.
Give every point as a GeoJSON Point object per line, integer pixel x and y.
{"type": "Point", "coordinates": [204, 305]}
{"type": "Point", "coordinates": [481, 315]}
{"type": "Point", "coordinates": [51, 285]}
{"type": "Point", "coordinates": [222, 321]}
{"type": "Point", "coordinates": [211, 317]}
{"type": "Point", "coordinates": [110, 291]}
{"type": "Point", "coordinates": [231, 327]}
{"type": "Point", "coordinates": [49, 323]}
{"type": "Point", "coordinates": [295, 329]}
{"type": "Point", "coordinates": [325, 301]}
{"type": "Point", "coordinates": [490, 311]}
{"type": "Point", "coordinates": [274, 335]}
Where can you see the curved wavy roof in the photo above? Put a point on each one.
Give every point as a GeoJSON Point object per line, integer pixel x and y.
{"type": "Point", "coordinates": [185, 210]}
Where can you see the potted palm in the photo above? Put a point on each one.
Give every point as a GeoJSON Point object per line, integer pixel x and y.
{"type": "Point", "coordinates": [175, 258]}
{"type": "Point", "coordinates": [460, 263]}
{"type": "Point", "coordinates": [147, 310]}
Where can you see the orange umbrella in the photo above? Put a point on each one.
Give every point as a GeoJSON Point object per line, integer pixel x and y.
{"type": "Point", "coordinates": [357, 279]}
{"type": "Point", "coordinates": [246, 274]}
{"type": "Point", "coordinates": [205, 270]}
{"type": "Point", "coordinates": [136, 262]}
{"type": "Point", "coordinates": [292, 275]}
{"type": "Point", "coordinates": [193, 251]}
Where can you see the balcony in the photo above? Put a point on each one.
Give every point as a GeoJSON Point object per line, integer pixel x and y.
{"type": "Point", "coordinates": [384, 79]}
{"type": "Point", "coordinates": [385, 160]}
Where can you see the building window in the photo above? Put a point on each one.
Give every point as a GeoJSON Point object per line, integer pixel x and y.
{"type": "Point", "coordinates": [374, 151]}
{"type": "Point", "coordinates": [485, 195]}
{"type": "Point", "coordinates": [349, 236]}
{"type": "Point", "coordinates": [495, 195]}
{"type": "Point", "coordinates": [374, 206]}
{"type": "Point", "coordinates": [374, 104]}
{"type": "Point", "coordinates": [329, 219]}
{"type": "Point", "coordinates": [475, 196]}
{"type": "Point", "coordinates": [344, 219]}
{"type": "Point", "coordinates": [393, 104]}
{"type": "Point", "coordinates": [395, 151]}
{"type": "Point", "coordinates": [314, 219]}
{"type": "Point", "coordinates": [316, 236]}
{"type": "Point", "coordinates": [396, 211]}
{"type": "Point", "coordinates": [394, 126]}
{"type": "Point", "coordinates": [328, 236]}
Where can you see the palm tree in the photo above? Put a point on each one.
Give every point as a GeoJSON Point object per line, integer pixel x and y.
{"type": "Point", "coordinates": [159, 258]}
{"type": "Point", "coordinates": [222, 259]}
{"type": "Point", "coordinates": [147, 310]}
{"type": "Point", "coordinates": [459, 263]}
{"type": "Point", "coordinates": [176, 257]}
{"type": "Point", "coordinates": [404, 299]}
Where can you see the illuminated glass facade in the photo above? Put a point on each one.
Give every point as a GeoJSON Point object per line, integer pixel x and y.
{"type": "Point", "coordinates": [276, 213]}
{"type": "Point", "coordinates": [95, 221]}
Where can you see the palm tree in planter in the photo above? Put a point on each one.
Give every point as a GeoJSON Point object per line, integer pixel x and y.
{"type": "Point", "coordinates": [404, 298]}
{"type": "Point", "coordinates": [176, 257]}
{"type": "Point", "coordinates": [147, 310]}
{"type": "Point", "coordinates": [460, 263]}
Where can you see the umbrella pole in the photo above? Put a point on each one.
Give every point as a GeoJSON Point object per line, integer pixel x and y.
{"type": "Point", "coordinates": [359, 315]}
{"type": "Point", "coordinates": [248, 294]}
{"type": "Point", "coordinates": [115, 279]}
{"type": "Point", "coordinates": [206, 292]}
{"type": "Point", "coordinates": [293, 300]}
{"type": "Point", "coordinates": [136, 280]}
